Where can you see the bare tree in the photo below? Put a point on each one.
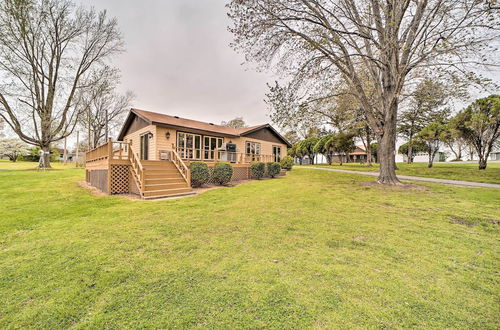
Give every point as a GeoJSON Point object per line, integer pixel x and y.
{"type": "Point", "coordinates": [317, 42]}
{"type": "Point", "coordinates": [104, 108]}
{"type": "Point", "coordinates": [48, 49]}
{"type": "Point", "coordinates": [237, 122]}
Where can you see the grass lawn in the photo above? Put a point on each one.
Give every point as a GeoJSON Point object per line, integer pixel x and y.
{"type": "Point", "coordinates": [314, 249]}
{"type": "Point", "coordinates": [451, 171]}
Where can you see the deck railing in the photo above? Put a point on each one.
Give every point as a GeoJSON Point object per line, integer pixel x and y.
{"type": "Point", "coordinates": [137, 170]}
{"type": "Point", "coordinates": [181, 166]}
{"type": "Point", "coordinates": [192, 154]}
{"type": "Point", "coordinates": [109, 150]}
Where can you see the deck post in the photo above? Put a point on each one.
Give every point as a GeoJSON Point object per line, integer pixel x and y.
{"type": "Point", "coordinates": [110, 157]}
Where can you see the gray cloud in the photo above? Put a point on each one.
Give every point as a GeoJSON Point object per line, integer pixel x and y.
{"type": "Point", "coordinates": [178, 60]}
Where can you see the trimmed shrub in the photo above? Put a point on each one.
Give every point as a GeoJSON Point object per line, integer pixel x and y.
{"type": "Point", "coordinates": [287, 163]}
{"type": "Point", "coordinates": [273, 169]}
{"type": "Point", "coordinates": [222, 173]}
{"type": "Point", "coordinates": [258, 170]}
{"type": "Point", "coordinates": [199, 173]}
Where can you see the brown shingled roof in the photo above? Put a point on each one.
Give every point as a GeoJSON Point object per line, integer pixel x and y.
{"type": "Point", "coordinates": [174, 121]}
{"type": "Point", "coordinates": [159, 118]}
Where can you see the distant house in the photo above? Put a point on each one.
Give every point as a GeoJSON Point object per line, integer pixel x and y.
{"type": "Point", "coordinates": [70, 155]}
{"type": "Point", "coordinates": [154, 150]}
{"type": "Point", "coordinates": [358, 155]}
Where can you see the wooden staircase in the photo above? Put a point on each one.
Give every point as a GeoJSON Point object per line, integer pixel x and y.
{"type": "Point", "coordinates": [163, 179]}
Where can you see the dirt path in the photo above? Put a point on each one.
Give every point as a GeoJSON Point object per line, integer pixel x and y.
{"type": "Point", "coordinates": [412, 178]}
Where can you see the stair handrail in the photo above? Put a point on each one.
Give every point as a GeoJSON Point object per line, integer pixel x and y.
{"type": "Point", "coordinates": [137, 168]}
{"type": "Point", "coordinates": [181, 167]}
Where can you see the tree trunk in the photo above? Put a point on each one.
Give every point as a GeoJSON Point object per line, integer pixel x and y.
{"type": "Point", "coordinates": [431, 159]}
{"type": "Point", "coordinates": [410, 150]}
{"type": "Point", "coordinates": [386, 151]}
{"type": "Point", "coordinates": [46, 157]}
{"type": "Point", "coordinates": [483, 162]}
{"type": "Point", "coordinates": [368, 149]}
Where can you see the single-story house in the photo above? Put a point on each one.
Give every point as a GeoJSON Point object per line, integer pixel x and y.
{"type": "Point", "coordinates": [153, 152]}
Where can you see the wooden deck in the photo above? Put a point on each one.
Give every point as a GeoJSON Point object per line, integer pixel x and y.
{"type": "Point", "coordinates": [114, 169]}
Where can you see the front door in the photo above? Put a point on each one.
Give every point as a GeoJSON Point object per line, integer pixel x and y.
{"type": "Point", "coordinates": [277, 154]}
{"type": "Point", "coordinates": [144, 149]}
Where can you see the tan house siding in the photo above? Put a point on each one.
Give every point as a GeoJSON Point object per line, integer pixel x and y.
{"type": "Point", "coordinates": [136, 141]}
{"type": "Point", "coordinates": [162, 143]}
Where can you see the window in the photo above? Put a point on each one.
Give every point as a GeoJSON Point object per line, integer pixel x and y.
{"type": "Point", "coordinates": [189, 145]}
{"type": "Point", "coordinates": [252, 151]}
{"type": "Point", "coordinates": [210, 144]}
{"type": "Point", "coordinates": [277, 153]}
{"type": "Point", "coordinates": [253, 148]}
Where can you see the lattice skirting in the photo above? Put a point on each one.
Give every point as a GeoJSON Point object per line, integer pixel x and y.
{"type": "Point", "coordinates": [98, 179]}
{"type": "Point", "coordinates": [120, 179]}
{"type": "Point", "coordinates": [239, 173]}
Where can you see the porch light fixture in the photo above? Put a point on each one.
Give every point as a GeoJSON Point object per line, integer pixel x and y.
{"type": "Point", "coordinates": [167, 135]}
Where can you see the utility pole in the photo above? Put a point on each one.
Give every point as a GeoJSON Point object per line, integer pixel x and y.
{"type": "Point", "coordinates": [77, 147]}
{"type": "Point", "coordinates": [107, 125]}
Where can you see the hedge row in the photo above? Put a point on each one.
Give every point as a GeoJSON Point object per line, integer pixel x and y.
{"type": "Point", "coordinates": [221, 173]}
{"type": "Point", "coordinates": [260, 169]}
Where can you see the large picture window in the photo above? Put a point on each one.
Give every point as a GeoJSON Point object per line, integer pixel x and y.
{"type": "Point", "coordinates": [210, 145]}
{"type": "Point", "coordinates": [189, 145]}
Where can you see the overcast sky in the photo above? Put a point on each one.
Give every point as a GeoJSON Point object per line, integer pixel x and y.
{"type": "Point", "coordinates": [178, 60]}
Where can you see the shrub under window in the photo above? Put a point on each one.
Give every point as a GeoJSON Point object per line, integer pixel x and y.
{"type": "Point", "coordinates": [222, 173]}
{"type": "Point", "coordinates": [273, 169]}
{"type": "Point", "coordinates": [199, 173]}
{"type": "Point", "coordinates": [287, 163]}
{"type": "Point", "coordinates": [258, 170]}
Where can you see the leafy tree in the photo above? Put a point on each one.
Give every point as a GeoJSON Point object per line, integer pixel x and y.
{"type": "Point", "coordinates": [344, 144]}
{"type": "Point", "coordinates": [237, 122]}
{"type": "Point", "coordinates": [452, 139]}
{"type": "Point", "coordinates": [13, 149]}
{"type": "Point", "coordinates": [325, 147]}
{"type": "Point", "coordinates": [306, 147]}
{"type": "Point", "coordinates": [295, 152]}
{"type": "Point", "coordinates": [425, 106]}
{"type": "Point", "coordinates": [416, 147]}
{"type": "Point", "coordinates": [431, 136]}
{"type": "Point", "coordinates": [318, 43]}
{"type": "Point", "coordinates": [48, 52]}
{"type": "Point", "coordinates": [479, 125]}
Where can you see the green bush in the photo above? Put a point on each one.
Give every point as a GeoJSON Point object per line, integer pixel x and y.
{"type": "Point", "coordinates": [273, 169]}
{"type": "Point", "coordinates": [258, 170]}
{"type": "Point", "coordinates": [199, 173]}
{"type": "Point", "coordinates": [222, 173]}
{"type": "Point", "coordinates": [287, 163]}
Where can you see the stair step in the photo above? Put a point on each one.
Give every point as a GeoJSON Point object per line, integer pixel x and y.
{"type": "Point", "coordinates": [162, 170]}
{"type": "Point", "coordinates": [164, 180]}
{"type": "Point", "coordinates": [150, 176]}
{"type": "Point", "coordinates": [166, 192]}
{"type": "Point", "coordinates": [163, 165]}
{"type": "Point", "coordinates": [161, 186]}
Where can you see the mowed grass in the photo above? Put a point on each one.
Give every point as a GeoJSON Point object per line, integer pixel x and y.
{"type": "Point", "coordinates": [450, 171]}
{"type": "Point", "coordinates": [315, 249]}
